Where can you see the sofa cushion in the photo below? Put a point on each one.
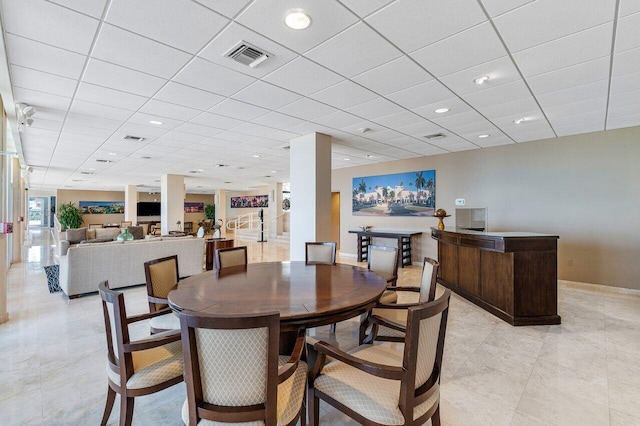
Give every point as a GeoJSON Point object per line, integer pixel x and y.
{"type": "Point", "coordinates": [91, 234]}
{"type": "Point", "coordinates": [96, 240]}
{"type": "Point", "coordinates": [74, 236]}
{"type": "Point", "coordinates": [136, 231]}
{"type": "Point", "coordinates": [111, 233]}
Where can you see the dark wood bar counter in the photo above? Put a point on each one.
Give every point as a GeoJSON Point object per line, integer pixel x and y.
{"type": "Point", "coordinates": [513, 275]}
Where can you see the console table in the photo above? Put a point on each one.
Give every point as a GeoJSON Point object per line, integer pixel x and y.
{"type": "Point", "coordinates": [513, 275]}
{"type": "Point", "coordinates": [403, 238]}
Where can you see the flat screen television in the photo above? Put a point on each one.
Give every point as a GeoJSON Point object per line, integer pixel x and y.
{"type": "Point", "coordinates": [146, 208]}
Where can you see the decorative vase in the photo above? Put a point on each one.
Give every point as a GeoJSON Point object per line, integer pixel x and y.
{"type": "Point", "coordinates": [216, 234]}
{"type": "Point", "coordinates": [125, 235]}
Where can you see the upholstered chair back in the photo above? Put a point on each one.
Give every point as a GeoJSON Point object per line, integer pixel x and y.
{"type": "Point", "coordinates": [384, 261]}
{"type": "Point", "coordinates": [428, 280]}
{"type": "Point", "coordinates": [114, 312]}
{"type": "Point", "coordinates": [162, 275]}
{"type": "Point", "coordinates": [320, 253]}
{"type": "Point", "coordinates": [232, 256]}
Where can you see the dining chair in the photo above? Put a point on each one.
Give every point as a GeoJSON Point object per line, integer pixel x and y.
{"type": "Point", "coordinates": [386, 383]}
{"type": "Point", "coordinates": [231, 256]}
{"type": "Point", "coordinates": [95, 225]}
{"type": "Point", "coordinates": [161, 275]}
{"type": "Point", "coordinates": [188, 227]}
{"type": "Point", "coordinates": [139, 367]}
{"type": "Point", "coordinates": [233, 372]}
{"type": "Point", "coordinates": [396, 313]}
{"type": "Point", "coordinates": [126, 223]}
{"type": "Point", "coordinates": [320, 253]}
{"type": "Point", "coordinates": [384, 261]}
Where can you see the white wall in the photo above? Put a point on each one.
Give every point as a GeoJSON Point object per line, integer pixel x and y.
{"type": "Point", "coordinates": [583, 188]}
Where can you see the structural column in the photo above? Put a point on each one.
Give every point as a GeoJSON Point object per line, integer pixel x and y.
{"type": "Point", "coordinates": [172, 202]}
{"type": "Point", "coordinates": [16, 205]}
{"type": "Point", "coordinates": [131, 204]}
{"type": "Point", "coordinates": [310, 173]}
{"type": "Point", "coordinates": [220, 203]}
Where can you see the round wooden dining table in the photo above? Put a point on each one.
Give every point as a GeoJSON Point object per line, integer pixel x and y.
{"type": "Point", "coordinates": [305, 295]}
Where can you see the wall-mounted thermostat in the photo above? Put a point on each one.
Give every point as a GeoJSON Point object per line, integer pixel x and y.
{"type": "Point", "coordinates": [460, 201]}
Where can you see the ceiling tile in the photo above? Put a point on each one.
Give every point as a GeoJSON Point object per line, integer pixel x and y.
{"type": "Point", "coordinates": [228, 8]}
{"type": "Point", "coordinates": [625, 121]}
{"type": "Point", "coordinates": [212, 77]}
{"type": "Point", "coordinates": [277, 120]}
{"type": "Point", "coordinates": [183, 24]}
{"type": "Point", "coordinates": [553, 20]}
{"type": "Point", "coordinates": [216, 51]}
{"type": "Point", "coordinates": [266, 95]}
{"type": "Point", "coordinates": [625, 83]}
{"type": "Point", "coordinates": [93, 121]}
{"type": "Point", "coordinates": [596, 89]}
{"type": "Point", "coordinates": [93, 8]}
{"type": "Point", "coordinates": [507, 112]}
{"type": "Point", "coordinates": [239, 110]}
{"type": "Point", "coordinates": [376, 108]}
{"type": "Point", "coordinates": [338, 53]}
{"type": "Point", "coordinates": [39, 99]}
{"type": "Point", "coordinates": [500, 71]}
{"type": "Point", "coordinates": [42, 81]}
{"type": "Point", "coordinates": [130, 50]}
{"type": "Point", "coordinates": [498, 7]}
{"type": "Point", "coordinates": [303, 76]}
{"type": "Point", "coordinates": [145, 120]}
{"type": "Point", "coordinates": [473, 46]}
{"type": "Point", "coordinates": [98, 110]}
{"type": "Point", "coordinates": [32, 19]}
{"type": "Point", "coordinates": [575, 109]}
{"type": "Point", "coordinates": [166, 109]}
{"type": "Point", "coordinates": [338, 119]}
{"type": "Point", "coordinates": [628, 33]}
{"type": "Point", "coordinates": [198, 129]}
{"type": "Point", "coordinates": [585, 127]}
{"type": "Point", "coordinates": [215, 120]}
{"type": "Point", "coordinates": [400, 119]}
{"type": "Point", "coordinates": [113, 76]}
{"type": "Point", "coordinates": [565, 78]}
{"type": "Point", "coordinates": [574, 49]}
{"type": "Point", "coordinates": [393, 76]}
{"type": "Point", "coordinates": [267, 17]}
{"type": "Point", "coordinates": [39, 56]}
{"type": "Point", "coordinates": [105, 96]}
{"type": "Point", "coordinates": [626, 62]}
{"type": "Point", "coordinates": [464, 118]}
{"type": "Point", "coordinates": [422, 94]}
{"type": "Point", "coordinates": [307, 109]}
{"type": "Point", "coordinates": [188, 96]}
{"type": "Point", "coordinates": [253, 129]}
{"type": "Point", "coordinates": [412, 24]}
{"type": "Point", "coordinates": [365, 7]}
{"type": "Point", "coordinates": [344, 95]}
{"type": "Point", "coordinates": [627, 7]}
{"type": "Point", "coordinates": [498, 94]}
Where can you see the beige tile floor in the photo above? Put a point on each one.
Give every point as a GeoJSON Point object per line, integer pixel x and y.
{"type": "Point", "coordinates": [583, 372]}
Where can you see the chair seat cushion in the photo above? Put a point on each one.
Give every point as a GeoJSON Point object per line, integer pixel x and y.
{"type": "Point", "coordinates": [153, 366]}
{"type": "Point", "coordinates": [165, 322]}
{"type": "Point", "coordinates": [389, 297]}
{"type": "Point", "coordinates": [373, 397]}
{"type": "Point", "coordinates": [290, 398]}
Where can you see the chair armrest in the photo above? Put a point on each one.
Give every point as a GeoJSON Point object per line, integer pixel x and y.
{"type": "Point", "coordinates": [154, 299]}
{"type": "Point", "coordinates": [152, 342]}
{"type": "Point", "coordinates": [374, 319]}
{"type": "Point", "coordinates": [403, 288]}
{"type": "Point", "coordinates": [375, 369]}
{"type": "Point", "coordinates": [141, 317]}
{"type": "Point", "coordinates": [285, 371]}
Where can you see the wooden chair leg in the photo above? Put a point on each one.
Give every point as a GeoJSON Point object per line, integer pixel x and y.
{"type": "Point", "coordinates": [111, 398]}
{"type": "Point", "coordinates": [126, 410]}
{"type": "Point", "coordinates": [435, 419]}
{"type": "Point", "coordinates": [314, 409]}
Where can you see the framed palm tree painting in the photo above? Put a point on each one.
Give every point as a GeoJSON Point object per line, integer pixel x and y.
{"type": "Point", "coordinates": [400, 194]}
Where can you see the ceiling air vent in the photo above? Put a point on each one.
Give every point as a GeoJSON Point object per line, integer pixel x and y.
{"type": "Point", "coordinates": [133, 138]}
{"type": "Point", "coordinates": [247, 54]}
{"type": "Point", "coordinates": [435, 136]}
{"type": "Point", "coordinates": [99, 160]}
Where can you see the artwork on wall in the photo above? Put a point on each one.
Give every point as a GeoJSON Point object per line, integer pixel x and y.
{"type": "Point", "coordinates": [246, 201]}
{"type": "Point", "coordinates": [400, 194]}
{"type": "Point", "coordinates": [194, 207]}
{"type": "Point", "coordinates": [101, 207]}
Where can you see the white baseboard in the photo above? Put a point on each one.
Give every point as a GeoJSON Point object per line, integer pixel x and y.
{"type": "Point", "coordinates": [599, 287]}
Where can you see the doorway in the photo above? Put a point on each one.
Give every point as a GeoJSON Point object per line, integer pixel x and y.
{"type": "Point", "coordinates": [335, 218]}
{"type": "Point", "coordinates": [38, 212]}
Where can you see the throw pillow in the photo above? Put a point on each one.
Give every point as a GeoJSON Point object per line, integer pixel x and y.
{"type": "Point", "coordinates": [74, 236]}
{"type": "Point", "coordinates": [111, 233]}
{"type": "Point", "coordinates": [136, 231]}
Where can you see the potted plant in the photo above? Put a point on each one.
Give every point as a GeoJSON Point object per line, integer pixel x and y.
{"type": "Point", "coordinates": [210, 212]}
{"type": "Point", "coordinates": [69, 216]}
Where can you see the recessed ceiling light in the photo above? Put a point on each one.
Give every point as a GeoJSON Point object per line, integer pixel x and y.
{"type": "Point", "coordinates": [274, 171]}
{"type": "Point", "coordinates": [297, 20]}
{"type": "Point", "coordinates": [364, 130]}
{"type": "Point", "coordinates": [255, 156]}
{"type": "Point", "coordinates": [91, 168]}
{"type": "Point", "coordinates": [156, 122]}
{"type": "Point", "coordinates": [441, 110]}
{"type": "Point", "coordinates": [221, 165]}
{"type": "Point", "coordinates": [113, 153]}
{"type": "Point", "coordinates": [483, 136]}
{"type": "Point", "coordinates": [520, 120]}
{"type": "Point", "coordinates": [481, 80]}
{"type": "Point", "coordinates": [369, 156]}
{"type": "Point", "coordinates": [347, 159]}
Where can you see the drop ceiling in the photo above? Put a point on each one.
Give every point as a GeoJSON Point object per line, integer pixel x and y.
{"type": "Point", "coordinates": [97, 71]}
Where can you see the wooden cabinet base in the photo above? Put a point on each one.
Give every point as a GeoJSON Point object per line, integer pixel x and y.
{"type": "Point", "coordinates": [511, 275]}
